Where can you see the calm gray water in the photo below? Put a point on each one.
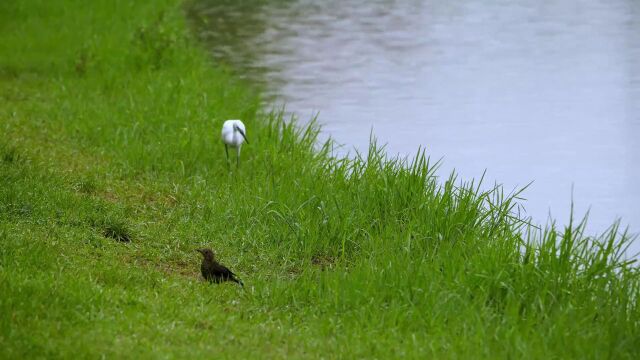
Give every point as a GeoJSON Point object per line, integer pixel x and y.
{"type": "Point", "coordinates": [542, 91]}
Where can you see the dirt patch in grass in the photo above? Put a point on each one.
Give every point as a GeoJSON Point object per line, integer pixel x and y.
{"type": "Point", "coordinates": [323, 261]}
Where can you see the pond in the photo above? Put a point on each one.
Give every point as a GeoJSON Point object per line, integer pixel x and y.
{"type": "Point", "coordinates": [530, 91]}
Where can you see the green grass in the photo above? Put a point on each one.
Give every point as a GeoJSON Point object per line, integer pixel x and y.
{"type": "Point", "coordinates": [109, 121]}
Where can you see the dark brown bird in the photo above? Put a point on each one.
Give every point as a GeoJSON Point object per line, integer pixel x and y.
{"type": "Point", "coordinates": [215, 272]}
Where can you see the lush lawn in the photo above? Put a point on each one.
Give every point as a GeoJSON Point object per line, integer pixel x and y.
{"type": "Point", "coordinates": [109, 125]}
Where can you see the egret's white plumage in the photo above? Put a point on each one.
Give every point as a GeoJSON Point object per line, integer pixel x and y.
{"type": "Point", "coordinates": [233, 135]}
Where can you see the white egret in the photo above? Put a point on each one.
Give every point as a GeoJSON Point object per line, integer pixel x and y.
{"type": "Point", "coordinates": [233, 135]}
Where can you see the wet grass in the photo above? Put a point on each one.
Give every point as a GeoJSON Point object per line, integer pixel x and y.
{"type": "Point", "coordinates": [109, 115]}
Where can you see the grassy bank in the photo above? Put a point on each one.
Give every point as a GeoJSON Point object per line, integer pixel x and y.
{"type": "Point", "coordinates": [109, 129]}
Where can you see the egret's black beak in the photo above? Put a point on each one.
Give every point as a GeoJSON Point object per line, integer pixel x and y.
{"type": "Point", "coordinates": [242, 133]}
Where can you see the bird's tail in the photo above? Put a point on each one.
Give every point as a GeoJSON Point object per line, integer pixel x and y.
{"type": "Point", "coordinates": [235, 279]}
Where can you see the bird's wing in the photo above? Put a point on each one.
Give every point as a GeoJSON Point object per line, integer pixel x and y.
{"type": "Point", "coordinates": [222, 270]}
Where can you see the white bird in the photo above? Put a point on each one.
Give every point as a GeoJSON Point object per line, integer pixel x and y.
{"type": "Point", "coordinates": [233, 135]}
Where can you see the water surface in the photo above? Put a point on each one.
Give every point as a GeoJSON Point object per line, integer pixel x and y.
{"type": "Point", "coordinates": [542, 91]}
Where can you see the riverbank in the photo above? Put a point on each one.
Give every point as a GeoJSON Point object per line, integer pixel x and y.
{"type": "Point", "coordinates": [109, 114]}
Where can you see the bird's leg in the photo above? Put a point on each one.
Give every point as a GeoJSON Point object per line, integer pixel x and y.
{"type": "Point", "coordinates": [238, 156]}
{"type": "Point", "coordinates": [226, 150]}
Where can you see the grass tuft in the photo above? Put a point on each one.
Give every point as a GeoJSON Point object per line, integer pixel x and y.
{"type": "Point", "coordinates": [9, 154]}
{"type": "Point", "coordinates": [117, 230]}
{"type": "Point", "coordinates": [86, 185]}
